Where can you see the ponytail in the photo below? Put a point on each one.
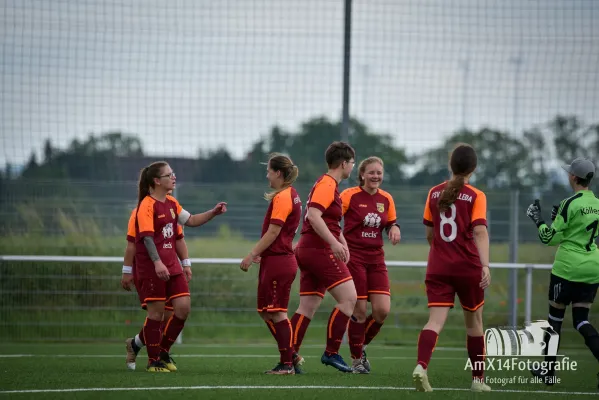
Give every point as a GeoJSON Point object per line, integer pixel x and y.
{"type": "Point", "coordinates": [451, 192]}
{"type": "Point", "coordinates": [290, 172]}
{"type": "Point", "coordinates": [146, 179]}
{"type": "Point", "coordinates": [143, 187]}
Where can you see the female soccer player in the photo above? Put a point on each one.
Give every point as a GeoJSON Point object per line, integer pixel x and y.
{"type": "Point", "coordinates": [367, 211]}
{"type": "Point", "coordinates": [322, 255]}
{"type": "Point", "coordinates": [160, 275]}
{"type": "Point", "coordinates": [458, 263]}
{"type": "Point", "coordinates": [129, 279]}
{"type": "Point", "coordinates": [278, 265]}
{"type": "Point", "coordinates": [574, 277]}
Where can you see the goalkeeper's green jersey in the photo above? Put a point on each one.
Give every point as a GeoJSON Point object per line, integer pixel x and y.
{"type": "Point", "coordinates": [575, 229]}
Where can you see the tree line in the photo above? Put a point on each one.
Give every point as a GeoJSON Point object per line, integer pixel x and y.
{"type": "Point", "coordinates": [506, 161]}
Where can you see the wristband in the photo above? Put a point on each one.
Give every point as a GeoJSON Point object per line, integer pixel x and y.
{"type": "Point", "coordinates": [127, 269]}
{"type": "Point", "coordinates": [186, 262]}
{"type": "Point", "coordinates": [392, 225]}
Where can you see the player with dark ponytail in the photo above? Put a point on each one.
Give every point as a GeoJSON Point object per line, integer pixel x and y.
{"type": "Point", "coordinates": [158, 271]}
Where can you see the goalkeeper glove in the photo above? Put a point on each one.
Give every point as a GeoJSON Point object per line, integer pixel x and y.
{"type": "Point", "coordinates": [534, 213]}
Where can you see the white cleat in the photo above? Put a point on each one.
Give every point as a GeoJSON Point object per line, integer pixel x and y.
{"type": "Point", "coordinates": [131, 366]}
{"type": "Point", "coordinates": [420, 378]}
{"type": "Point", "coordinates": [479, 385]}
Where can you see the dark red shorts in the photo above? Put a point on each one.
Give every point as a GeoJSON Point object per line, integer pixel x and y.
{"type": "Point", "coordinates": [154, 289]}
{"type": "Point", "coordinates": [320, 271]}
{"type": "Point", "coordinates": [277, 274]}
{"type": "Point", "coordinates": [441, 291]}
{"type": "Point", "coordinates": [369, 278]}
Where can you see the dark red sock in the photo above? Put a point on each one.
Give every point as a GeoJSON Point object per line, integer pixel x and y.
{"type": "Point", "coordinates": [152, 337]}
{"type": "Point", "coordinates": [271, 328]}
{"type": "Point", "coordinates": [299, 325]}
{"type": "Point", "coordinates": [426, 344]}
{"type": "Point", "coordinates": [476, 353]}
{"type": "Point", "coordinates": [335, 330]}
{"type": "Point", "coordinates": [355, 335]}
{"type": "Point", "coordinates": [141, 336]}
{"type": "Point", "coordinates": [372, 329]}
{"type": "Point", "coordinates": [163, 325]}
{"type": "Point", "coordinates": [283, 335]}
{"type": "Point", "coordinates": [174, 326]}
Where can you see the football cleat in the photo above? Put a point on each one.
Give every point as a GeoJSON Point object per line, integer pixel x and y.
{"type": "Point", "coordinates": [420, 379]}
{"type": "Point", "coordinates": [157, 366]}
{"type": "Point", "coordinates": [281, 369]}
{"type": "Point", "coordinates": [168, 361]}
{"type": "Point", "coordinates": [479, 385]}
{"type": "Point", "coordinates": [335, 361]}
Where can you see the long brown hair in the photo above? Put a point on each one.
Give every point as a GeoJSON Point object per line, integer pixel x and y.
{"type": "Point", "coordinates": [365, 163]}
{"type": "Point", "coordinates": [146, 179]}
{"type": "Point", "coordinates": [462, 162]}
{"type": "Point", "coordinates": [289, 171]}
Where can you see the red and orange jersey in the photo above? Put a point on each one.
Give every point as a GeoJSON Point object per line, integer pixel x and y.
{"type": "Point", "coordinates": [324, 196]}
{"type": "Point", "coordinates": [365, 217]}
{"type": "Point", "coordinates": [157, 220]}
{"type": "Point", "coordinates": [453, 251]}
{"type": "Point", "coordinates": [284, 210]}
{"type": "Point", "coordinates": [131, 228]}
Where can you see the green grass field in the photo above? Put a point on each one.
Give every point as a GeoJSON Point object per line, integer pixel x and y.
{"type": "Point", "coordinates": [96, 371]}
{"type": "Point", "coordinates": [225, 354]}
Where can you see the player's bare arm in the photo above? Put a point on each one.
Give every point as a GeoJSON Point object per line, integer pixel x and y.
{"type": "Point", "coordinates": [195, 220]}
{"type": "Point", "coordinates": [183, 254]}
{"type": "Point", "coordinates": [127, 278]}
{"type": "Point", "coordinates": [428, 230]}
{"type": "Point", "coordinates": [345, 246]}
{"type": "Point", "coordinates": [320, 227]}
{"type": "Point", "coordinates": [481, 239]}
{"type": "Point", "coordinates": [264, 243]}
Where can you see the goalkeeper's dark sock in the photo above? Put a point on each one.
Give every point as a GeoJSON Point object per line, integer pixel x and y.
{"type": "Point", "coordinates": [555, 319]}
{"type": "Point", "coordinates": [580, 316]}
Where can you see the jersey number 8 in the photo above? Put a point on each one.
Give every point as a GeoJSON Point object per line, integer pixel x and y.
{"type": "Point", "coordinates": [445, 220]}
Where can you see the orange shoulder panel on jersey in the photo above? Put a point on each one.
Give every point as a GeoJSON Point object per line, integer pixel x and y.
{"type": "Point", "coordinates": [282, 206]}
{"type": "Point", "coordinates": [324, 192]}
{"type": "Point", "coordinates": [428, 215]}
{"type": "Point", "coordinates": [145, 216]}
{"type": "Point", "coordinates": [346, 196]}
{"type": "Point", "coordinates": [479, 208]}
{"type": "Point", "coordinates": [171, 198]}
{"type": "Point", "coordinates": [391, 212]}
{"type": "Point", "coordinates": [131, 226]}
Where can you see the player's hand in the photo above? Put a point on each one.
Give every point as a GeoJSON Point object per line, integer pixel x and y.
{"type": "Point", "coordinates": [246, 263]}
{"type": "Point", "coordinates": [339, 251]}
{"type": "Point", "coordinates": [257, 260]}
{"type": "Point", "coordinates": [486, 278]}
{"type": "Point", "coordinates": [220, 208]}
{"type": "Point", "coordinates": [187, 273]}
{"type": "Point", "coordinates": [127, 281]}
{"type": "Point", "coordinates": [394, 235]}
{"type": "Point", "coordinates": [554, 211]}
{"type": "Point", "coordinates": [534, 213]}
{"type": "Point", "coordinates": [161, 271]}
{"type": "Point", "coordinates": [346, 254]}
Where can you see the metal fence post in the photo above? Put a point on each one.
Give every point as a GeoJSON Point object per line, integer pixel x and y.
{"type": "Point", "coordinates": [528, 299]}
{"type": "Point", "coordinates": [514, 211]}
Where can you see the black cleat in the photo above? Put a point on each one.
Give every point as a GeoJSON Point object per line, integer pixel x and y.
{"type": "Point", "coordinates": [281, 369]}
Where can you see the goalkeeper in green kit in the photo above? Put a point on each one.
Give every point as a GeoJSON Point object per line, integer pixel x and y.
{"type": "Point", "coordinates": [575, 274]}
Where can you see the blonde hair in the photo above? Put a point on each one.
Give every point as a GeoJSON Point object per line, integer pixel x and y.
{"type": "Point", "coordinates": [366, 162]}
{"type": "Point", "coordinates": [289, 171]}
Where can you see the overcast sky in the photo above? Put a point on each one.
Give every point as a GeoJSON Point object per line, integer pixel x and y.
{"type": "Point", "coordinates": [192, 74]}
